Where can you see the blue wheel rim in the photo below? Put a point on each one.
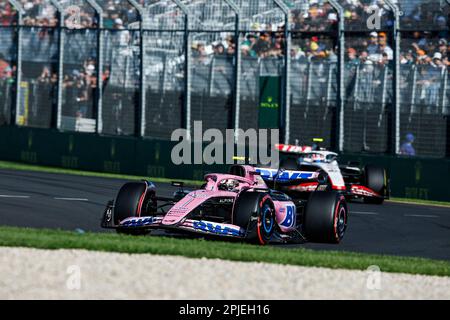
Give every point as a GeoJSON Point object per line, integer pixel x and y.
{"type": "Point", "coordinates": [341, 222]}
{"type": "Point", "coordinates": [266, 225]}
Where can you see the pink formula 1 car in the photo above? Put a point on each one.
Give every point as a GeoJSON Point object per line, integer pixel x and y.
{"type": "Point", "coordinates": [237, 205]}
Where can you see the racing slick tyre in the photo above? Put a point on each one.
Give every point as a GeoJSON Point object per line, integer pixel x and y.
{"type": "Point", "coordinates": [375, 179]}
{"type": "Point", "coordinates": [129, 203]}
{"type": "Point", "coordinates": [325, 217]}
{"type": "Point", "coordinates": [255, 212]}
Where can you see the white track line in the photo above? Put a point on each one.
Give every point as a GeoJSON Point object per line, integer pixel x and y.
{"type": "Point", "coordinates": [13, 196]}
{"type": "Point", "coordinates": [421, 215]}
{"type": "Point", "coordinates": [365, 213]}
{"type": "Point", "coordinates": [72, 199]}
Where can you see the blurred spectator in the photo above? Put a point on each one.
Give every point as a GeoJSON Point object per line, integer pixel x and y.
{"type": "Point", "coordinates": [8, 14]}
{"type": "Point", "coordinates": [219, 49]}
{"type": "Point", "coordinates": [248, 46]}
{"type": "Point", "coordinates": [124, 37]}
{"type": "Point", "coordinates": [384, 48]}
{"type": "Point", "coordinates": [407, 148]}
{"type": "Point", "coordinates": [443, 47]}
{"type": "Point", "coordinates": [297, 53]}
{"type": "Point", "coordinates": [81, 98]}
{"type": "Point", "coordinates": [352, 58]}
{"type": "Point", "coordinates": [106, 76]}
{"type": "Point", "coordinates": [201, 52]}
{"type": "Point", "coordinates": [437, 60]}
{"type": "Point", "coordinates": [5, 69]}
{"type": "Point", "coordinates": [372, 47]}
{"type": "Point", "coordinates": [45, 76]}
{"type": "Point", "coordinates": [231, 50]}
{"type": "Point", "coordinates": [262, 45]}
{"type": "Point", "coordinates": [407, 58]}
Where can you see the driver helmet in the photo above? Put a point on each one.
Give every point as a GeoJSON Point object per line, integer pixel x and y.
{"type": "Point", "coordinates": [229, 185]}
{"type": "Point", "coordinates": [317, 157]}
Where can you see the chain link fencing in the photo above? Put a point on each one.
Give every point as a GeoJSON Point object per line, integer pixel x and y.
{"type": "Point", "coordinates": [313, 72]}
{"type": "Point", "coordinates": [424, 90]}
{"type": "Point", "coordinates": [152, 67]}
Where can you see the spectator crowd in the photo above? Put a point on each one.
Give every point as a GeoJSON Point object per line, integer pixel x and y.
{"type": "Point", "coordinates": [41, 13]}
{"type": "Point", "coordinates": [313, 25]}
{"type": "Point", "coordinates": [310, 24]}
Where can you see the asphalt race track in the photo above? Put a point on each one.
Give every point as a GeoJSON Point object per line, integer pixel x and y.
{"type": "Point", "coordinates": [44, 200]}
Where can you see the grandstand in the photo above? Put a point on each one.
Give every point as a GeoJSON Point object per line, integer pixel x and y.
{"type": "Point", "coordinates": [146, 67]}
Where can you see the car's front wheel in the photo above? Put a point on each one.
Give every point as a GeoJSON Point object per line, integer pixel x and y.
{"type": "Point", "coordinates": [255, 212]}
{"type": "Point", "coordinates": [129, 203]}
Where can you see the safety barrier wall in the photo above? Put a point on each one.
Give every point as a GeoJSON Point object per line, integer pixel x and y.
{"type": "Point", "coordinates": [82, 151]}
{"type": "Point", "coordinates": [417, 178]}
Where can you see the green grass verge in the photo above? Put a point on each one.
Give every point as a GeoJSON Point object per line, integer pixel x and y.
{"type": "Point", "coordinates": [198, 248]}
{"type": "Point", "coordinates": [30, 167]}
{"type": "Point", "coordinates": [420, 202]}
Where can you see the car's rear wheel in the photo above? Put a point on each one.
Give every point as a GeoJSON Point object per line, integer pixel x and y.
{"type": "Point", "coordinates": [325, 217]}
{"type": "Point", "coordinates": [129, 203]}
{"type": "Point", "coordinates": [375, 179]}
{"type": "Point", "coordinates": [255, 212]}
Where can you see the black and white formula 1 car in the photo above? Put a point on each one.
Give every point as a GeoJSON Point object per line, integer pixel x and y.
{"type": "Point", "coordinates": [303, 168]}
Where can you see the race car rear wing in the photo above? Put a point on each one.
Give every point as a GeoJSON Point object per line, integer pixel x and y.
{"type": "Point", "coordinates": [296, 149]}
{"type": "Point", "coordinates": [287, 148]}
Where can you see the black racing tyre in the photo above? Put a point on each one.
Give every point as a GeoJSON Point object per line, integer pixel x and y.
{"type": "Point", "coordinates": [129, 203]}
{"type": "Point", "coordinates": [289, 164]}
{"type": "Point", "coordinates": [375, 179]}
{"type": "Point", "coordinates": [255, 212]}
{"type": "Point", "coordinates": [325, 217]}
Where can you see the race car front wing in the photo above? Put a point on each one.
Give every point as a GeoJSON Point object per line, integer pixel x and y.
{"type": "Point", "coordinates": [156, 222]}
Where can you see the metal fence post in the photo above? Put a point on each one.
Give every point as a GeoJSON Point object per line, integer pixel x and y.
{"type": "Point", "coordinates": [187, 68]}
{"type": "Point", "coordinates": [286, 95]}
{"type": "Point", "coordinates": [237, 66]}
{"type": "Point", "coordinates": [142, 85]}
{"type": "Point", "coordinates": [99, 96]}
{"type": "Point", "coordinates": [396, 115]}
{"type": "Point", "coordinates": [58, 110]}
{"type": "Point", "coordinates": [341, 79]}
{"type": "Point", "coordinates": [20, 12]}
{"type": "Point", "coordinates": [444, 93]}
{"type": "Point", "coordinates": [445, 108]}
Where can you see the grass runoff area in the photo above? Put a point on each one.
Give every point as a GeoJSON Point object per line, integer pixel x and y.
{"type": "Point", "coordinates": [30, 167]}
{"type": "Point", "coordinates": [199, 248]}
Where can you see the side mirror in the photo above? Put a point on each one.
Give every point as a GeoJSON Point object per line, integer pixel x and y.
{"type": "Point", "coordinates": [178, 184]}
{"type": "Point", "coordinates": [178, 195]}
